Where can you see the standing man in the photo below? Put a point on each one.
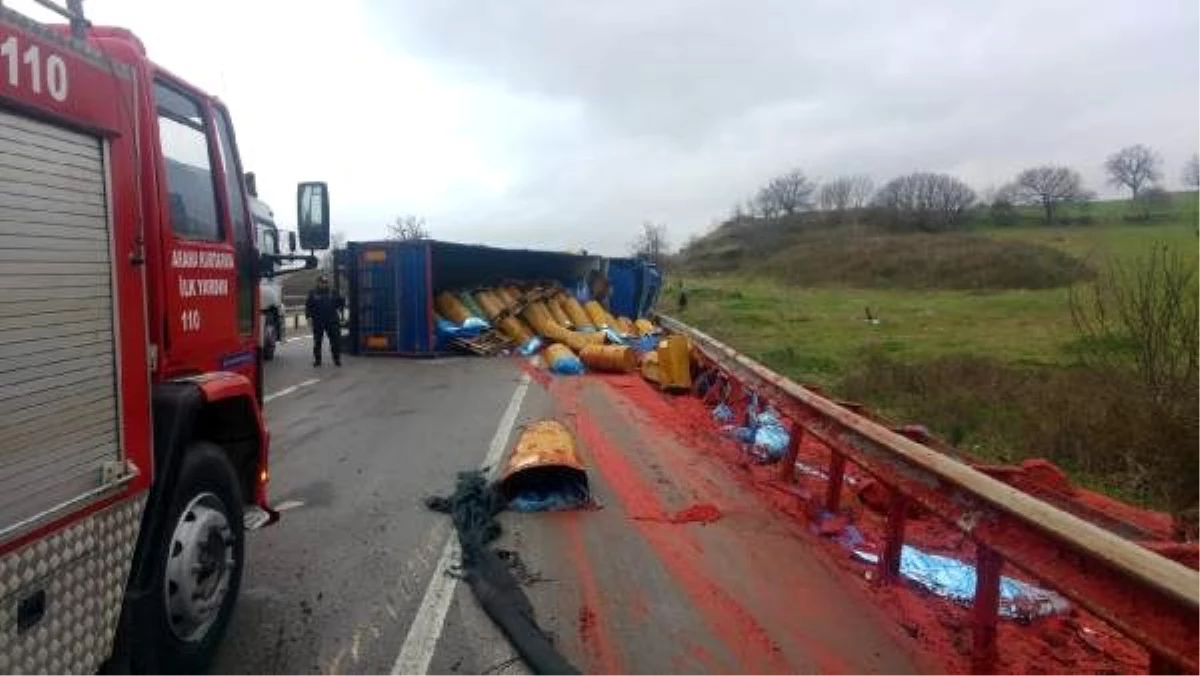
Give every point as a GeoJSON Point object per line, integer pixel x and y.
{"type": "Point", "coordinates": [323, 309]}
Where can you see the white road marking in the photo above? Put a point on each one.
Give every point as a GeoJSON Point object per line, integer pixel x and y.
{"type": "Point", "coordinates": [290, 390]}
{"type": "Point", "coordinates": [288, 504]}
{"type": "Point", "coordinates": [419, 645]}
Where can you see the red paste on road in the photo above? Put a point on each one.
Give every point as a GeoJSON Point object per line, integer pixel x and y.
{"type": "Point", "coordinates": [701, 513]}
{"type": "Point", "coordinates": [1076, 642]}
{"type": "Point", "coordinates": [745, 639]}
{"type": "Point", "coordinates": [593, 633]}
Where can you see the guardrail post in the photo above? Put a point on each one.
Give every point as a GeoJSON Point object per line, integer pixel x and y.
{"type": "Point", "coordinates": [787, 471]}
{"type": "Point", "coordinates": [833, 489]}
{"type": "Point", "coordinates": [894, 538]}
{"type": "Point", "coordinates": [988, 564]}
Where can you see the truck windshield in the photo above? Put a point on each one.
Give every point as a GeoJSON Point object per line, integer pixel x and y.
{"type": "Point", "coordinates": [268, 238]}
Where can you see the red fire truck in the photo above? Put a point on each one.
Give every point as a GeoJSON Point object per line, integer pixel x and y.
{"type": "Point", "coordinates": [133, 448]}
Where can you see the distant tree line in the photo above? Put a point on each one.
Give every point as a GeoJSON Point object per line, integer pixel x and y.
{"type": "Point", "coordinates": [933, 202]}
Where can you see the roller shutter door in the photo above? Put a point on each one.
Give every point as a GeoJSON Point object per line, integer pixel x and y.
{"type": "Point", "coordinates": [58, 383]}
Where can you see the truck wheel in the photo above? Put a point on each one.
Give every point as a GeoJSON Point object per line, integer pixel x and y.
{"type": "Point", "coordinates": [199, 571]}
{"type": "Point", "coordinates": [270, 337]}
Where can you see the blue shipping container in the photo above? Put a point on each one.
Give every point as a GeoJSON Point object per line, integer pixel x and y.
{"type": "Point", "coordinates": [393, 283]}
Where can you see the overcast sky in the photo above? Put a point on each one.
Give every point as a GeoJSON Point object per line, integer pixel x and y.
{"type": "Point", "coordinates": [565, 124]}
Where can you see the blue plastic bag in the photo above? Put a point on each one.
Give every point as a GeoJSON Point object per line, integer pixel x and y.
{"type": "Point", "coordinates": [770, 436]}
{"type": "Point", "coordinates": [955, 580]}
{"type": "Point", "coordinates": [531, 347]}
{"type": "Point", "coordinates": [476, 324]}
{"type": "Point", "coordinates": [645, 344]}
{"type": "Point", "coordinates": [722, 413]}
{"type": "Point", "coordinates": [613, 337]}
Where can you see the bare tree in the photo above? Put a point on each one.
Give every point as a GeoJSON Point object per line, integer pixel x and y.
{"type": "Point", "coordinates": [1050, 187]}
{"type": "Point", "coordinates": [1143, 309]}
{"type": "Point", "coordinates": [765, 204]}
{"type": "Point", "coordinates": [844, 193]}
{"type": "Point", "coordinates": [1192, 179]}
{"type": "Point", "coordinates": [1191, 172]}
{"type": "Point", "coordinates": [408, 227]}
{"type": "Point", "coordinates": [1133, 167]}
{"type": "Point", "coordinates": [1003, 210]}
{"type": "Point", "coordinates": [835, 195]}
{"type": "Point", "coordinates": [925, 201]}
{"type": "Point", "coordinates": [861, 189]}
{"type": "Point", "coordinates": [652, 244]}
{"type": "Point", "coordinates": [786, 193]}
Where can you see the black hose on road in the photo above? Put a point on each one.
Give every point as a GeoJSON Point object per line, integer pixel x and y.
{"type": "Point", "coordinates": [473, 508]}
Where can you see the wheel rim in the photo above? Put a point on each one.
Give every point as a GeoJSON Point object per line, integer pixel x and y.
{"type": "Point", "coordinates": [200, 565]}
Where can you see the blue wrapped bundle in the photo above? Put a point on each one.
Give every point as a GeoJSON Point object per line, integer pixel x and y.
{"type": "Point", "coordinates": [955, 580]}
{"type": "Point", "coordinates": [560, 360]}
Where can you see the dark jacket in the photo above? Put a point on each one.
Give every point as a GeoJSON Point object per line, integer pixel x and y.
{"type": "Point", "coordinates": [323, 307]}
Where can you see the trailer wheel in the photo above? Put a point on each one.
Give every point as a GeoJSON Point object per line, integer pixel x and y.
{"type": "Point", "coordinates": [200, 569]}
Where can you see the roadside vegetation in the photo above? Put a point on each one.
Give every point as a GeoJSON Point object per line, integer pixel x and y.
{"type": "Point", "coordinates": [1037, 322]}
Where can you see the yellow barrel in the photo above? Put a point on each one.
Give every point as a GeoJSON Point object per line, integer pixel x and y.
{"type": "Point", "coordinates": [537, 315]}
{"type": "Point", "coordinates": [644, 327]}
{"type": "Point", "coordinates": [575, 312]}
{"type": "Point", "coordinates": [510, 294]}
{"type": "Point", "coordinates": [577, 341]}
{"type": "Point", "coordinates": [500, 295]}
{"type": "Point", "coordinates": [598, 315]}
{"type": "Point", "coordinates": [511, 326]}
{"type": "Point", "coordinates": [674, 362]}
{"type": "Point", "coordinates": [554, 352]}
{"type": "Point", "coordinates": [544, 442]}
{"type": "Point", "coordinates": [491, 305]}
{"type": "Point", "coordinates": [544, 457]}
{"type": "Point", "coordinates": [614, 358]}
{"type": "Point", "coordinates": [471, 304]}
{"type": "Point", "coordinates": [559, 314]}
{"type": "Point", "coordinates": [650, 368]}
{"type": "Point", "coordinates": [451, 308]}
{"type": "Point", "coordinates": [626, 327]}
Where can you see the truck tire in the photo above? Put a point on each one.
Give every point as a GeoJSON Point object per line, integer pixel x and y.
{"type": "Point", "coordinates": [270, 336]}
{"type": "Point", "coordinates": [199, 571]}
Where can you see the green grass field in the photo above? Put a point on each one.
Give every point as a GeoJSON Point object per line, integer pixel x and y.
{"type": "Point", "coordinates": [816, 333]}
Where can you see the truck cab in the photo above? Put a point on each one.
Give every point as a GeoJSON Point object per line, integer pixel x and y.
{"type": "Point", "coordinates": [271, 245]}
{"type": "Point", "coordinates": [135, 447]}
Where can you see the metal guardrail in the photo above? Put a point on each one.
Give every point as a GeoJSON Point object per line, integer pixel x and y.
{"type": "Point", "coordinates": [1149, 598]}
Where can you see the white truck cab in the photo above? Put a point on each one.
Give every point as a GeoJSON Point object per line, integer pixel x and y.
{"type": "Point", "coordinates": [273, 312]}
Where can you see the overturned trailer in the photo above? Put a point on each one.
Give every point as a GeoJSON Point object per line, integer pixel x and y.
{"type": "Point", "coordinates": [393, 285]}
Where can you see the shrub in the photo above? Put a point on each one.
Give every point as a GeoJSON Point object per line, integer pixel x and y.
{"type": "Point", "coordinates": [919, 261]}
{"type": "Point", "coordinates": [1097, 425]}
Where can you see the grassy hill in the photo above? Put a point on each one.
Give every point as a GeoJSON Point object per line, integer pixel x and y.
{"type": "Point", "coordinates": [973, 333]}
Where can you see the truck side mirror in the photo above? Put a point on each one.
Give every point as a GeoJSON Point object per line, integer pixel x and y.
{"type": "Point", "coordinates": [312, 215]}
{"type": "Point", "coordinates": [291, 242]}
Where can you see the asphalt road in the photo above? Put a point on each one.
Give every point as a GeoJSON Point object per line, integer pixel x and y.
{"type": "Point", "coordinates": [354, 577]}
